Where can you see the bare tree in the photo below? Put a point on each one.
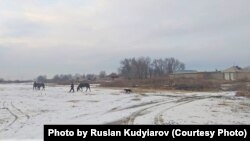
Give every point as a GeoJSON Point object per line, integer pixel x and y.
{"type": "Point", "coordinates": [91, 77]}
{"type": "Point", "coordinates": [113, 76]}
{"type": "Point", "coordinates": [126, 68]}
{"type": "Point", "coordinates": [41, 78]}
{"type": "Point", "coordinates": [1, 80]}
{"type": "Point", "coordinates": [143, 67]}
{"type": "Point", "coordinates": [102, 74]}
{"type": "Point", "coordinates": [158, 67]}
{"type": "Point", "coordinates": [172, 65]}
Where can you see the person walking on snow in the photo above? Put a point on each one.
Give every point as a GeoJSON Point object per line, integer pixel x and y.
{"type": "Point", "coordinates": [72, 87]}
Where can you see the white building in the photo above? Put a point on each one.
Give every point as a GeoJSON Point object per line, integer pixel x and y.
{"type": "Point", "coordinates": [236, 73]}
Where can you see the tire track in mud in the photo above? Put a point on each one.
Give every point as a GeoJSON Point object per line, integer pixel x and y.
{"type": "Point", "coordinates": [20, 111]}
{"type": "Point", "coordinates": [130, 119]}
{"type": "Point", "coordinates": [158, 120]}
{"type": "Point", "coordinates": [118, 100]}
{"type": "Point", "coordinates": [16, 113]}
{"type": "Point", "coordinates": [115, 109]}
{"type": "Point", "coordinates": [159, 117]}
{"type": "Point", "coordinates": [181, 101]}
{"type": "Point", "coordinates": [11, 114]}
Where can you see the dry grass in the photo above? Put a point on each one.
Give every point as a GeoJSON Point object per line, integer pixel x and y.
{"type": "Point", "coordinates": [154, 83]}
{"type": "Point", "coordinates": [197, 84]}
{"type": "Point", "coordinates": [143, 90]}
{"type": "Point", "coordinates": [225, 103]}
{"type": "Point", "coordinates": [243, 93]}
{"type": "Point", "coordinates": [245, 104]}
{"type": "Point", "coordinates": [164, 83]}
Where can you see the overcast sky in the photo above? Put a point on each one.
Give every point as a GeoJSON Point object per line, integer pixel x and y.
{"type": "Point", "coordinates": [51, 37]}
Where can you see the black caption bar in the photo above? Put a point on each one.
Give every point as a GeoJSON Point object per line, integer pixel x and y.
{"type": "Point", "coordinates": [145, 132]}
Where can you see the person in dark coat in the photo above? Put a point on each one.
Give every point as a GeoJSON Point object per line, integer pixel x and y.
{"type": "Point", "coordinates": [72, 87]}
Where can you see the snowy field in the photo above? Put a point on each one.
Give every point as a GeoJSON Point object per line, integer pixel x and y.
{"type": "Point", "coordinates": [23, 112]}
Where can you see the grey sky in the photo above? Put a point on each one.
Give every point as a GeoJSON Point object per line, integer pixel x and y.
{"type": "Point", "coordinates": [86, 36]}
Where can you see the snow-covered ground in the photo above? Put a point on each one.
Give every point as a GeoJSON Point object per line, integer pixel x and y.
{"type": "Point", "coordinates": [23, 112]}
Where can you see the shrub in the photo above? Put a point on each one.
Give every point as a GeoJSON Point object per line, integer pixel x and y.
{"type": "Point", "coordinates": [243, 93]}
{"type": "Point", "coordinates": [196, 84]}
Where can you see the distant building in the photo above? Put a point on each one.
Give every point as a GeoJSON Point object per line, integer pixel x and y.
{"type": "Point", "coordinates": [230, 74]}
{"type": "Point", "coordinates": [192, 74]}
{"type": "Point", "coordinates": [236, 73]}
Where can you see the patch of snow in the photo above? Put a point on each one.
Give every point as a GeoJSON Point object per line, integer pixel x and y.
{"type": "Point", "coordinates": [23, 111]}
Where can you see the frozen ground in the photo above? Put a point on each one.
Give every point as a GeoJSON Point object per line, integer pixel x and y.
{"type": "Point", "coordinates": [23, 112]}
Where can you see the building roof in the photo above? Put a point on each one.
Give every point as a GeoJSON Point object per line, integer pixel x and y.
{"type": "Point", "coordinates": [233, 69]}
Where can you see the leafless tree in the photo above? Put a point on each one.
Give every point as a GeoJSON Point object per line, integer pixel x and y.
{"type": "Point", "coordinates": [143, 67]}
{"type": "Point", "coordinates": [113, 76]}
{"type": "Point", "coordinates": [41, 78]}
{"type": "Point", "coordinates": [102, 74]}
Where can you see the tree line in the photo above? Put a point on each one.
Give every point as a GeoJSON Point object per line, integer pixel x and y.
{"type": "Point", "coordinates": [66, 78]}
{"type": "Point", "coordinates": [130, 68]}
{"type": "Point", "coordinates": [145, 67]}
